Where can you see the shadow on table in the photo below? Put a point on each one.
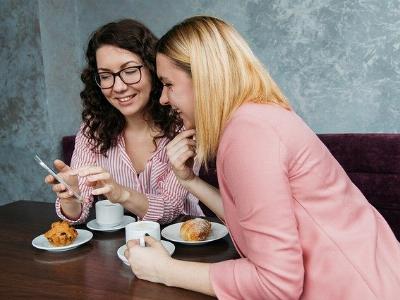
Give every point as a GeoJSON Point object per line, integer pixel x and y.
{"type": "Point", "coordinates": [47, 257]}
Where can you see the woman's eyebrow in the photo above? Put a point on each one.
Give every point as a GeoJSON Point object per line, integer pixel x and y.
{"type": "Point", "coordinates": [163, 79]}
{"type": "Point", "coordinates": [121, 66]}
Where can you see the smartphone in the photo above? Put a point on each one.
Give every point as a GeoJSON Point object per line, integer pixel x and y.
{"type": "Point", "coordinates": [59, 179]}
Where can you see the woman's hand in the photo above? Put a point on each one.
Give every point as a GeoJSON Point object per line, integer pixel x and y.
{"type": "Point", "coordinates": [70, 206]}
{"type": "Point", "coordinates": [65, 172]}
{"type": "Point", "coordinates": [148, 262]}
{"type": "Point", "coordinates": [102, 182]}
{"type": "Point", "coordinates": [153, 263]}
{"type": "Point", "coordinates": [181, 152]}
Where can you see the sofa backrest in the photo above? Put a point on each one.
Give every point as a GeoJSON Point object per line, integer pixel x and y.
{"type": "Point", "coordinates": [372, 162]}
{"type": "Point", "coordinates": [67, 146]}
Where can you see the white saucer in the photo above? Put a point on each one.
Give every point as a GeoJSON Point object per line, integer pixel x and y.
{"type": "Point", "coordinates": [93, 225]}
{"type": "Point", "coordinates": [172, 233]}
{"type": "Point", "coordinates": [167, 245]}
{"type": "Point", "coordinates": [41, 241]}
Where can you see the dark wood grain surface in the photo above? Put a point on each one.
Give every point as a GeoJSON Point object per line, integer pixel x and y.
{"type": "Point", "coordinates": [91, 271]}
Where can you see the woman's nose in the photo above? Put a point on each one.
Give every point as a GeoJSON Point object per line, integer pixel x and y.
{"type": "Point", "coordinates": [163, 98]}
{"type": "Point", "coordinates": [119, 85]}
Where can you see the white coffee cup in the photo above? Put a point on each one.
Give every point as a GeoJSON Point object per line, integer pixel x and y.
{"type": "Point", "coordinates": [137, 231]}
{"type": "Point", "coordinates": [109, 214]}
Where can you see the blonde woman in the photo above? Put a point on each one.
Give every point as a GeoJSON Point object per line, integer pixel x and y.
{"type": "Point", "coordinates": [303, 229]}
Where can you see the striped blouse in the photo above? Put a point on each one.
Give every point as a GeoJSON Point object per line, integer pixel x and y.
{"type": "Point", "coordinates": [167, 197]}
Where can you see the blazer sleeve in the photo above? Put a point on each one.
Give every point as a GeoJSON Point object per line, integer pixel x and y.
{"type": "Point", "coordinates": [253, 175]}
{"type": "Point", "coordinates": [82, 156]}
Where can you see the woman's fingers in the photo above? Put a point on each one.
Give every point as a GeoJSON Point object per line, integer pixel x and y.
{"type": "Point", "coordinates": [180, 147]}
{"type": "Point", "coordinates": [91, 184]}
{"type": "Point", "coordinates": [181, 153]}
{"type": "Point", "coordinates": [97, 177]}
{"type": "Point", "coordinates": [62, 191]}
{"type": "Point", "coordinates": [59, 187]}
{"type": "Point", "coordinates": [183, 135]}
{"type": "Point", "coordinates": [173, 156]}
{"type": "Point", "coordinates": [183, 159]}
{"type": "Point", "coordinates": [49, 179]}
{"type": "Point", "coordinates": [132, 243]}
{"type": "Point", "coordinates": [61, 166]}
{"type": "Point", "coordinates": [189, 145]}
{"type": "Point", "coordinates": [87, 170]}
{"type": "Point", "coordinates": [65, 194]}
{"type": "Point", "coordinates": [177, 143]}
{"type": "Point", "coordinates": [102, 190]}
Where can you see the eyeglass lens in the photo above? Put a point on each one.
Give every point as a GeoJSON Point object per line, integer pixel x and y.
{"type": "Point", "coordinates": [131, 75]}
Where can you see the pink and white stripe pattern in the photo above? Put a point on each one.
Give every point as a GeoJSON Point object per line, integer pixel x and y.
{"type": "Point", "coordinates": [167, 198]}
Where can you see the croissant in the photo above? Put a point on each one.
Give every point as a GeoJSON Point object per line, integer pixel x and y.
{"type": "Point", "coordinates": [195, 229]}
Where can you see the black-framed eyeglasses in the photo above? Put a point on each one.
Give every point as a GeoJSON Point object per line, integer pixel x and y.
{"type": "Point", "coordinates": [129, 75]}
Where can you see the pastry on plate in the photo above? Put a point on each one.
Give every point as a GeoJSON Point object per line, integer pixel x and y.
{"type": "Point", "coordinates": [195, 229]}
{"type": "Point", "coordinates": [61, 233]}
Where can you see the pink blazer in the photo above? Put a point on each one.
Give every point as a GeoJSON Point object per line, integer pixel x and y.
{"type": "Point", "coordinates": [303, 229]}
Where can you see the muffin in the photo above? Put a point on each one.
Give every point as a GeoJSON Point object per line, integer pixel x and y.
{"type": "Point", "coordinates": [61, 233]}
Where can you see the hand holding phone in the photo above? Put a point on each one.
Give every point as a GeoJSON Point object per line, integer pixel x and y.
{"type": "Point", "coordinates": [59, 179]}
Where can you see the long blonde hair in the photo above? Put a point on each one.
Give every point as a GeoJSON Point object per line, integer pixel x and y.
{"type": "Point", "coordinates": [225, 74]}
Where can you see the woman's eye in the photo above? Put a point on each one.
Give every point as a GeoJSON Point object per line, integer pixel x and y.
{"type": "Point", "coordinates": [104, 76]}
{"type": "Point", "coordinates": [167, 84]}
{"type": "Point", "coordinates": [130, 71]}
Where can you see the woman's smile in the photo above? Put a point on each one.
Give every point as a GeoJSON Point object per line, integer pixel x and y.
{"type": "Point", "coordinates": [126, 100]}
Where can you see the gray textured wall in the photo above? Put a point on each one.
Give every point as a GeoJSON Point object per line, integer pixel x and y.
{"type": "Point", "coordinates": [24, 124]}
{"type": "Point", "coordinates": [40, 56]}
{"type": "Point", "coordinates": [337, 61]}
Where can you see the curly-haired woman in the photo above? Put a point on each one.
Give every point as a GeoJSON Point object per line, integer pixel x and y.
{"type": "Point", "coordinates": [120, 147]}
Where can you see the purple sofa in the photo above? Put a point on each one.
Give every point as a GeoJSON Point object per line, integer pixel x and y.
{"type": "Point", "coordinates": [372, 161]}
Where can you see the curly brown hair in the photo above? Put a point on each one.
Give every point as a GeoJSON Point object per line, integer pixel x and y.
{"type": "Point", "coordinates": [103, 123]}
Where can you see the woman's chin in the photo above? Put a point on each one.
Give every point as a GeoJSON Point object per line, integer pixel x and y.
{"type": "Point", "coordinates": [188, 125]}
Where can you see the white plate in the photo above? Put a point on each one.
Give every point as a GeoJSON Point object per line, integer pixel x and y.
{"type": "Point", "coordinates": [41, 241]}
{"type": "Point", "coordinates": [167, 245]}
{"type": "Point", "coordinates": [171, 233]}
{"type": "Point", "coordinates": [93, 225]}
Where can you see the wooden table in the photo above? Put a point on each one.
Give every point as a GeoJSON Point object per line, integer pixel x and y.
{"type": "Point", "coordinates": [91, 271]}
